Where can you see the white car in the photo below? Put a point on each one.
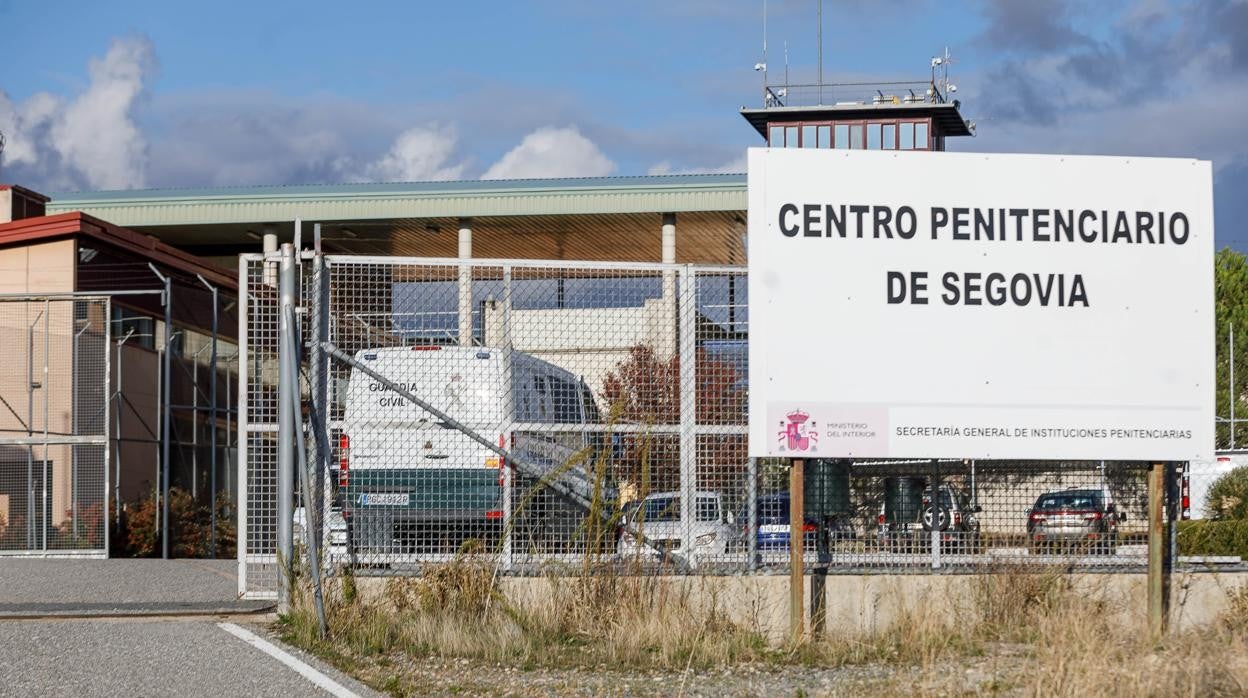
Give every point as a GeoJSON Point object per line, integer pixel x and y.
{"type": "Point", "coordinates": [334, 543]}
{"type": "Point", "coordinates": [657, 518]}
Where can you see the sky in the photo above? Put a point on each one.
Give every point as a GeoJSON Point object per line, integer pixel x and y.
{"type": "Point", "coordinates": [158, 94]}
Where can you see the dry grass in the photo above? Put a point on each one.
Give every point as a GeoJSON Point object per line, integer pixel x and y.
{"type": "Point", "coordinates": [1029, 632]}
{"type": "Point", "coordinates": [1038, 633]}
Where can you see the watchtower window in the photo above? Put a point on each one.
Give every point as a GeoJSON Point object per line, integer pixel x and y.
{"type": "Point", "coordinates": [841, 139]}
{"type": "Point", "coordinates": [855, 135]}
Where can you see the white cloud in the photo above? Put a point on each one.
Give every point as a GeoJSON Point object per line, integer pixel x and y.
{"type": "Point", "coordinates": [734, 166]}
{"type": "Point", "coordinates": [418, 154]}
{"type": "Point", "coordinates": [552, 152]}
{"type": "Point", "coordinates": [96, 133]}
{"type": "Point", "coordinates": [91, 140]}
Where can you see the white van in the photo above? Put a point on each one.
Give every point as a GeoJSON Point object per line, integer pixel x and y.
{"type": "Point", "coordinates": [410, 484]}
{"type": "Point", "coordinates": [1202, 475]}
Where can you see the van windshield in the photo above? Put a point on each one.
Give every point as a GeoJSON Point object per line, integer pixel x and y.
{"type": "Point", "coordinates": [662, 509]}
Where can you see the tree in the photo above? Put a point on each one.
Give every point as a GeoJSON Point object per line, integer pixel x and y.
{"type": "Point", "coordinates": [1231, 310]}
{"type": "Point", "coordinates": [645, 389]}
{"type": "Point", "coordinates": [1228, 495]}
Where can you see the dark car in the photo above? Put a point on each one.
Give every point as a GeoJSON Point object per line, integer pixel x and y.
{"type": "Point", "coordinates": [1084, 519]}
{"type": "Point", "coordinates": [773, 525]}
{"type": "Point", "coordinates": [907, 518]}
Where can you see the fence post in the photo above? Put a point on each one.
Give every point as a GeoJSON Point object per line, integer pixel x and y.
{"type": "Point", "coordinates": [688, 412]}
{"type": "Point", "coordinates": [797, 560]}
{"type": "Point", "coordinates": [287, 432]}
{"type": "Point", "coordinates": [317, 439]}
{"type": "Point", "coordinates": [166, 402]}
{"type": "Point", "coordinates": [509, 480]}
{"type": "Point", "coordinates": [242, 438]}
{"type": "Point", "coordinates": [212, 414]}
{"type": "Point", "coordinates": [751, 514]}
{"type": "Point", "coordinates": [934, 508]}
{"type": "Point", "coordinates": [1156, 551]}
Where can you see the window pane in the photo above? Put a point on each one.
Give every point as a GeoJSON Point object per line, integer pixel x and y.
{"type": "Point", "coordinates": [920, 135]}
{"type": "Point", "coordinates": [890, 136]}
{"type": "Point", "coordinates": [808, 136]}
{"type": "Point", "coordinates": [855, 137]}
{"type": "Point", "coordinates": [825, 136]}
{"type": "Point", "coordinates": [873, 136]}
{"type": "Point", "coordinates": [790, 136]}
{"type": "Point", "coordinates": [776, 140]}
{"type": "Point", "coordinates": [907, 136]}
{"type": "Point", "coordinates": [707, 509]}
{"type": "Point", "coordinates": [842, 136]}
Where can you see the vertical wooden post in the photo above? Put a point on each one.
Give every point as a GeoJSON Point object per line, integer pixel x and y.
{"type": "Point", "coordinates": [1156, 550]}
{"type": "Point", "coordinates": [797, 571]}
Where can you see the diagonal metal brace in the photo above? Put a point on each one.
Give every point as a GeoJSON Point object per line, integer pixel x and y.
{"type": "Point", "coordinates": [559, 487]}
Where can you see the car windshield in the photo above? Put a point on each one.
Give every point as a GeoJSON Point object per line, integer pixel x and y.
{"type": "Point", "coordinates": [668, 509]}
{"type": "Point", "coordinates": [662, 509]}
{"type": "Point", "coordinates": [773, 507]}
{"type": "Point", "coordinates": [1069, 500]}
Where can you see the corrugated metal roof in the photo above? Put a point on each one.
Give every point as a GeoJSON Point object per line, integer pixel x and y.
{"type": "Point", "coordinates": [463, 198]}
{"type": "Point", "coordinates": [439, 186]}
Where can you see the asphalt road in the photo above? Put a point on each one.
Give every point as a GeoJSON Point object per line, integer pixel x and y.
{"type": "Point", "coordinates": [39, 587]}
{"type": "Point", "coordinates": [145, 657]}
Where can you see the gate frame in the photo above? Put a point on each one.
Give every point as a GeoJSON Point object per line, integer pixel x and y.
{"type": "Point", "coordinates": [686, 426]}
{"type": "Point", "coordinates": [76, 439]}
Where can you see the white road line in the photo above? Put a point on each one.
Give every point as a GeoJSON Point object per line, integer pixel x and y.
{"type": "Point", "coordinates": [289, 660]}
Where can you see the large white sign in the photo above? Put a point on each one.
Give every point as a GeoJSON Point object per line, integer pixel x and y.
{"type": "Point", "coordinates": [957, 305]}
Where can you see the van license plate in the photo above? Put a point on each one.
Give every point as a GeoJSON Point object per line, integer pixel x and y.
{"type": "Point", "coordinates": [773, 528]}
{"type": "Point", "coordinates": [384, 499]}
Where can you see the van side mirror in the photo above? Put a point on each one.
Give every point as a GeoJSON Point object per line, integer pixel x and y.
{"type": "Point", "coordinates": [1122, 516]}
{"type": "Point", "coordinates": [730, 519]}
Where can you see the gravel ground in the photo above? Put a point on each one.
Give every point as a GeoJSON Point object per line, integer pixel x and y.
{"type": "Point", "coordinates": [999, 673]}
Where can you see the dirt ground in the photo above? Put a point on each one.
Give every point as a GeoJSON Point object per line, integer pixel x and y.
{"type": "Point", "coordinates": [1000, 672]}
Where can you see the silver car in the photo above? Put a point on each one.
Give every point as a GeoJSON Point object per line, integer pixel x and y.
{"type": "Point", "coordinates": [657, 519]}
{"type": "Point", "coordinates": [1083, 517]}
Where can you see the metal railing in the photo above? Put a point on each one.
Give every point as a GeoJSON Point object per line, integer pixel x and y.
{"type": "Point", "coordinates": [851, 93]}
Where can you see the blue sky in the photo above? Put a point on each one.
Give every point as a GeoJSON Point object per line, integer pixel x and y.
{"type": "Point", "coordinates": [159, 94]}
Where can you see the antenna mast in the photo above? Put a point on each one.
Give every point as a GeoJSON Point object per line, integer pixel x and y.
{"type": "Point", "coordinates": [820, 14]}
{"type": "Point", "coordinates": [764, 51]}
{"type": "Point", "coordinates": [1, 151]}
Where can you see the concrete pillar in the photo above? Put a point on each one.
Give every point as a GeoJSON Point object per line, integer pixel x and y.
{"type": "Point", "coordinates": [669, 238]}
{"type": "Point", "coordinates": [670, 299]}
{"type": "Point", "coordinates": [270, 268]}
{"type": "Point", "coordinates": [465, 282]}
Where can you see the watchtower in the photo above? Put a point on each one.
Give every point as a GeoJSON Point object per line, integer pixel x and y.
{"type": "Point", "coordinates": [906, 115]}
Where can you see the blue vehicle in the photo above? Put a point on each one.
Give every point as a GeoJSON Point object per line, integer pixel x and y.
{"type": "Point", "coordinates": [773, 525]}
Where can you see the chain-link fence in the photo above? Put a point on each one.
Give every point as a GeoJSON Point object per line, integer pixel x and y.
{"type": "Point", "coordinates": [54, 402]}
{"type": "Point", "coordinates": [551, 413]}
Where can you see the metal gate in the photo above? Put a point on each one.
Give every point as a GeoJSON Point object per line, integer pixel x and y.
{"type": "Point", "coordinates": [54, 416]}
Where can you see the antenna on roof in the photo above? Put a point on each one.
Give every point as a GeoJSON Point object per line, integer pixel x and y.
{"type": "Point", "coordinates": [786, 65]}
{"type": "Point", "coordinates": [942, 87]}
{"type": "Point", "coordinates": [1, 151]}
{"type": "Point", "coordinates": [820, 80]}
{"type": "Point", "coordinates": [763, 66]}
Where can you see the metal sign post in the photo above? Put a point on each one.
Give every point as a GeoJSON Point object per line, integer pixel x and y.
{"type": "Point", "coordinates": [797, 571]}
{"type": "Point", "coordinates": [1158, 569]}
